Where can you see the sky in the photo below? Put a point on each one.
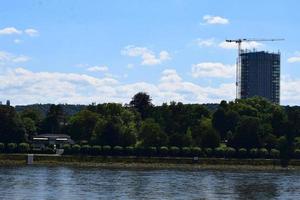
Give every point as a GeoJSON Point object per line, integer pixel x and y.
{"type": "Point", "coordinates": [82, 52]}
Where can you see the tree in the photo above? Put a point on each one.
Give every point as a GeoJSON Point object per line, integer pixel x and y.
{"type": "Point", "coordinates": [152, 135]}
{"type": "Point", "coordinates": [142, 103]}
{"type": "Point", "coordinates": [29, 126]}
{"type": "Point", "coordinates": [11, 126]}
{"type": "Point", "coordinates": [247, 134]}
{"type": "Point", "coordinates": [81, 125]}
{"type": "Point", "coordinates": [109, 132]}
{"type": "Point", "coordinates": [54, 121]}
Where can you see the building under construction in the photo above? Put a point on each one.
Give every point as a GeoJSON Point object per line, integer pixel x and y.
{"type": "Point", "coordinates": [260, 75]}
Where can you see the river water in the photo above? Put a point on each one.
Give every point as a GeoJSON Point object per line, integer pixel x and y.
{"type": "Point", "coordinates": [43, 182]}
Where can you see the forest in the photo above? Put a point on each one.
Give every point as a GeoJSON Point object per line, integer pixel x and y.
{"type": "Point", "coordinates": [244, 127]}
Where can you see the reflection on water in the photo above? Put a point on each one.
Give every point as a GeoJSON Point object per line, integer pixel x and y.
{"type": "Point", "coordinates": [37, 182]}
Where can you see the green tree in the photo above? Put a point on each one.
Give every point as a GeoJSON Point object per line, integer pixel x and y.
{"type": "Point", "coordinates": [152, 135]}
{"type": "Point", "coordinates": [54, 120]}
{"type": "Point", "coordinates": [82, 124]}
{"type": "Point", "coordinates": [11, 126]}
{"type": "Point", "coordinates": [29, 126]}
{"type": "Point", "coordinates": [142, 103]}
{"type": "Point", "coordinates": [248, 133]}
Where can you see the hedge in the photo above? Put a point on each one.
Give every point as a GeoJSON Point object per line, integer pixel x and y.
{"type": "Point", "coordinates": [274, 153]}
{"type": "Point", "coordinates": [24, 148]}
{"type": "Point", "coordinates": [174, 151]}
{"type": "Point", "coordinates": [96, 150]}
{"type": "Point", "coordinates": [11, 147]}
{"type": "Point", "coordinates": [186, 151]}
{"type": "Point", "coordinates": [75, 149]}
{"type": "Point", "coordinates": [85, 149]}
{"type": "Point", "coordinates": [129, 151]}
{"type": "Point", "coordinates": [242, 153]}
{"type": "Point", "coordinates": [117, 150]}
{"type": "Point", "coordinates": [2, 147]}
{"type": "Point", "coordinates": [163, 151]}
{"type": "Point", "coordinates": [106, 150]}
{"type": "Point", "coordinates": [196, 151]}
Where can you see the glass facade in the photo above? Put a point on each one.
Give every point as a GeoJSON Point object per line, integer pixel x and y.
{"type": "Point", "coordinates": [260, 75]}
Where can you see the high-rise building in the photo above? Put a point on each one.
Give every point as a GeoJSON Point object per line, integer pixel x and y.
{"type": "Point", "coordinates": [260, 75]}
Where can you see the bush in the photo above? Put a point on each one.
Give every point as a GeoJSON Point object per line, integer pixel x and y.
{"type": "Point", "coordinates": [196, 151]}
{"type": "Point", "coordinates": [274, 153]}
{"type": "Point", "coordinates": [151, 151]}
{"type": "Point", "coordinates": [242, 153]}
{"type": "Point", "coordinates": [208, 152]}
{"type": "Point", "coordinates": [106, 150]}
{"type": "Point", "coordinates": [297, 153]}
{"type": "Point", "coordinates": [174, 151]}
{"type": "Point", "coordinates": [96, 150]}
{"type": "Point", "coordinates": [186, 151]}
{"type": "Point", "coordinates": [129, 151]}
{"type": "Point", "coordinates": [219, 152]}
{"type": "Point", "coordinates": [75, 149]}
{"type": "Point", "coordinates": [230, 152]}
{"type": "Point", "coordinates": [24, 147]}
{"type": "Point", "coordinates": [118, 150]}
{"type": "Point", "coordinates": [163, 151]}
{"type": "Point", "coordinates": [2, 147]}
{"type": "Point", "coordinates": [253, 153]}
{"type": "Point", "coordinates": [85, 149]}
{"type": "Point", "coordinates": [11, 147]}
{"type": "Point", "coordinates": [48, 150]}
{"type": "Point", "coordinates": [140, 151]}
{"type": "Point", "coordinates": [263, 153]}
{"type": "Point", "coordinates": [67, 148]}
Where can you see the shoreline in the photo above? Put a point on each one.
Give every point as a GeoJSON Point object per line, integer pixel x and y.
{"type": "Point", "coordinates": [149, 163]}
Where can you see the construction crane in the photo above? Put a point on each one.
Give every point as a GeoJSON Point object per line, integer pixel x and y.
{"type": "Point", "coordinates": [238, 67]}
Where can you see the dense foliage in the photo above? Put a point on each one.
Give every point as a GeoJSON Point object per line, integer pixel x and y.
{"type": "Point", "coordinates": [248, 126]}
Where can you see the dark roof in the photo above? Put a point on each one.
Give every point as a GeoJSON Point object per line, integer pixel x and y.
{"type": "Point", "coordinates": [53, 135]}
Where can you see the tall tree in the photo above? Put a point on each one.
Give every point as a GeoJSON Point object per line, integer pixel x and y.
{"type": "Point", "coordinates": [142, 103]}
{"type": "Point", "coordinates": [54, 120]}
{"type": "Point", "coordinates": [11, 126]}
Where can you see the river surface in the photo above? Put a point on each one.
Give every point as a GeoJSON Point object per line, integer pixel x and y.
{"type": "Point", "coordinates": [42, 182]}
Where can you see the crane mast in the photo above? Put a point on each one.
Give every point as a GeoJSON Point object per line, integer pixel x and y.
{"type": "Point", "coordinates": [239, 61]}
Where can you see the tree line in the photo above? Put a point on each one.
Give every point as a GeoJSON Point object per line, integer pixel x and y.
{"type": "Point", "coordinates": [244, 123]}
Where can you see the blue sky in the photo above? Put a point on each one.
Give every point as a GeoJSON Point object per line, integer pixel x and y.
{"type": "Point", "coordinates": [106, 51]}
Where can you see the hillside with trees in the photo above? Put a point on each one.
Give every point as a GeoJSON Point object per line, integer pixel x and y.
{"type": "Point", "coordinates": [243, 125]}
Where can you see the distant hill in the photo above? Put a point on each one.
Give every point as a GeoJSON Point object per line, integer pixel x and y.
{"type": "Point", "coordinates": [69, 109]}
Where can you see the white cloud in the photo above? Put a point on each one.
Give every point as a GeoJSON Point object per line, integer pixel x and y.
{"type": "Point", "coordinates": [10, 31]}
{"type": "Point", "coordinates": [245, 45]}
{"type": "Point", "coordinates": [295, 58]}
{"type": "Point", "coordinates": [209, 19]}
{"type": "Point", "coordinates": [148, 56]}
{"type": "Point", "coordinates": [290, 90]}
{"type": "Point", "coordinates": [22, 86]}
{"type": "Point", "coordinates": [213, 69]}
{"type": "Point", "coordinates": [17, 41]}
{"type": "Point", "coordinates": [8, 58]}
{"type": "Point", "coordinates": [98, 69]}
{"type": "Point", "coordinates": [205, 42]}
{"type": "Point", "coordinates": [31, 32]}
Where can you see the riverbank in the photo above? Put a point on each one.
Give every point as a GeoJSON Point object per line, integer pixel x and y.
{"type": "Point", "coordinates": [132, 162]}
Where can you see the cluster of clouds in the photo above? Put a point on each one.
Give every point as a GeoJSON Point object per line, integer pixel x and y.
{"type": "Point", "coordinates": [8, 58]}
{"type": "Point", "coordinates": [14, 31]}
{"type": "Point", "coordinates": [23, 86]}
{"type": "Point", "coordinates": [147, 56]}
{"type": "Point", "coordinates": [210, 19]}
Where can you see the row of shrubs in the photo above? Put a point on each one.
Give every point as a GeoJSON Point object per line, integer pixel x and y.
{"type": "Point", "coordinates": [21, 148]}
{"type": "Point", "coordinates": [220, 152]}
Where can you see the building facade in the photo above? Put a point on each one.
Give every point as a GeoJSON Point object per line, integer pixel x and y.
{"type": "Point", "coordinates": [260, 75]}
